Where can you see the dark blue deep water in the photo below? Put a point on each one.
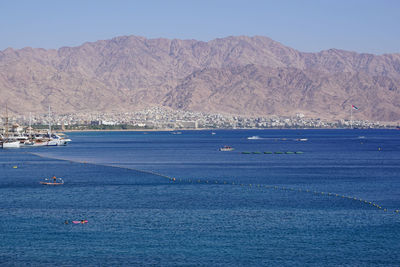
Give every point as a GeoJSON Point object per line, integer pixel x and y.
{"type": "Point", "coordinates": [333, 205]}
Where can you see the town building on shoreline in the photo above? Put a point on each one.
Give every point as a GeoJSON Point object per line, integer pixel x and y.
{"type": "Point", "coordinates": [160, 118]}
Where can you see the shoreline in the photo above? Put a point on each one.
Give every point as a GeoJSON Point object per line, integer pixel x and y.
{"type": "Point", "coordinates": [117, 130]}
{"type": "Point", "coordinates": [211, 129]}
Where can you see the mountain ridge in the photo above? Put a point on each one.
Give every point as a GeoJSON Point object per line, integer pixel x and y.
{"type": "Point", "coordinates": [236, 74]}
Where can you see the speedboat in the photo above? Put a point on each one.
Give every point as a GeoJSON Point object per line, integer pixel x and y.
{"type": "Point", "coordinates": [253, 137]}
{"type": "Point", "coordinates": [226, 148]}
{"type": "Point", "coordinates": [56, 140]}
{"type": "Point", "coordinates": [61, 140]}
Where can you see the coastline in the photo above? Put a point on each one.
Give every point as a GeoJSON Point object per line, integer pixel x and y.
{"type": "Point", "coordinates": [210, 129]}
{"type": "Point", "coordinates": [118, 130]}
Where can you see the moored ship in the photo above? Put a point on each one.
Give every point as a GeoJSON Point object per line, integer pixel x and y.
{"type": "Point", "coordinates": [18, 137]}
{"type": "Point", "coordinates": [9, 143]}
{"type": "Point", "coordinates": [6, 141]}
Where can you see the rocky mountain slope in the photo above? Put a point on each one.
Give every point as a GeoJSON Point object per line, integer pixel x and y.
{"type": "Point", "coordinates": [236, 75]}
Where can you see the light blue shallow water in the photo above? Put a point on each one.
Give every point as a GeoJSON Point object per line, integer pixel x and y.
{"type": "Point", "coordinates": [138, 218]}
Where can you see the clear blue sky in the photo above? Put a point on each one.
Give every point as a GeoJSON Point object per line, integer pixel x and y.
{"type": "Point", "coordinates": [371, 26]}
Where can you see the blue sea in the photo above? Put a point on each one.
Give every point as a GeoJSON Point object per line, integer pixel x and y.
{"type": "Point", "coordinates": [157, 198]}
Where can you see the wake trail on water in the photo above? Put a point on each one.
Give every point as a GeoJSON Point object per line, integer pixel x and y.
{"type": "Point", "coordinates": [216, 182]}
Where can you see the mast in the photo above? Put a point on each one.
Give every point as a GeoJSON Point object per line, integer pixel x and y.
{"type": "Point", "coordinates": [49, 122]}
{"type": "Point", "coordinates": [6, 126]}
{"type": "Point", "coordinates": [30, 124]}
{"type": "Point", "coordinates": [351, 117]}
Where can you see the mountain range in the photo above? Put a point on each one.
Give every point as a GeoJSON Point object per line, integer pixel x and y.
{"type": "Point", "coordinates": [250, 76]}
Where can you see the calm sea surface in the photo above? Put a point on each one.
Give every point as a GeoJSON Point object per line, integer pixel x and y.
{"type": "Point", "coordinates": [334, 204]}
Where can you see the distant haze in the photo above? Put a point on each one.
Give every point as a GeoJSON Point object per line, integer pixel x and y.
{"type": "Point", "coordinates": [236, 75]}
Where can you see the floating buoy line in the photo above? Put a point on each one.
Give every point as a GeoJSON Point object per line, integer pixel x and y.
{"type": "Point", "coordinates": [273, 187]}
{"type": "Point", "coordinates": [270, 152]}
{"type": "Point", "coordinates": [283, 188]}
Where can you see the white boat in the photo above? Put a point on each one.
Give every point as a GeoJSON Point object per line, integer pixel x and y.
{"type": "Point", "coordinates": [10, 144]}
{"type": "Point", "coordinates": [56, 140]}
{"type": "Point", "coordinates": [254, 137]}
{"type": "Point", "coordinates": [7, 141]}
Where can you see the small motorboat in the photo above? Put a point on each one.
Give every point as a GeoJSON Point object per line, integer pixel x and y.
{"type": "Point", "coordinates": [80, 222]}
{"type": "Point", "coordinates": [52, 181]}
{"type": "Point", "coordinates": [255, 137]}
{"type": "Point", "coordinates": [226, 148]}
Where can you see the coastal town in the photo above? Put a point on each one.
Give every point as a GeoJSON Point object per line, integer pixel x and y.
{"type": "Point", "coordinates": [159, 118]}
